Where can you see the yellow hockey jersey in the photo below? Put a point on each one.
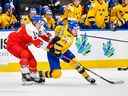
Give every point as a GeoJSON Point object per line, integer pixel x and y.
{"type": "Point", "coordinates": [66, 38]}
{"type": "Point", "coordinates": [125, 9]}
{"type": "Point", "coordinates": [73, 12]}
{"type": "Point", "coordinates": [50, 22]}
{"type": "Point", "coordinates": [119, 14]}
{"type": "Point", "coordinates": [6, 20]}
{"type": "Point", "coordinates": [98, 13]}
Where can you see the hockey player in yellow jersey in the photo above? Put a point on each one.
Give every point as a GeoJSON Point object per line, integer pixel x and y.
{"type": "Point", "coordinates": [7, 19]}
{"type": "Point", "coordinates": [48, 18]}
{"type": "Point", "coordinates": [59, 49]}
{"type": "Point", "coordinates": [73, 11]}
{"type": "Point", "coordinates": [101, 14]}
{"type": "Point", "coordinates": [98, 14]}
{"type": "Point", "coordinates": [86, 7]}
{"type": "Point", "coordinates": [119, 14]}
{"type": "Point", "coordinates": [125, 8]}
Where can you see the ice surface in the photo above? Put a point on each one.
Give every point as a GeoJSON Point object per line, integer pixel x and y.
{"type": "Point", "coordinates": [70, 84]}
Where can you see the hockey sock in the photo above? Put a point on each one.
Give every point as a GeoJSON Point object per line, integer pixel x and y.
{"type": "Point", "coordinates": [24, 69]}
{"type": "Point", "coordinates": [82, 71]}
{"type": "Point", "coordinates": [48, 74]}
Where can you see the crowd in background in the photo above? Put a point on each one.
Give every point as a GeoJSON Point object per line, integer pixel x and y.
{"type": "Point", "coordinates": [90, 14]}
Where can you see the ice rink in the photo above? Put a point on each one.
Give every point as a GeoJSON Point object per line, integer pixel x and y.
{"type": "Point", "coordinates": [70, 84]}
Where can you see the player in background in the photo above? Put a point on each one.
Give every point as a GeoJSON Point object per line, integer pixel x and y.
{"type": "Point", "coordinates": [7, 18]}
{"type": "Point", "coordinates": [97, 16]}
{"type": "Point", "coordinates": [119, 15]}
{"type": "Point", "coordinates": [87, 5]}
{"type": "Point", "coordinates": [59, 49]}
{"type": "Point", "coordinates": [17, 44]}
{"type": "Point", "coordinates": [48, 18]}
{"type": "Point", "coordinates": [73, 11]}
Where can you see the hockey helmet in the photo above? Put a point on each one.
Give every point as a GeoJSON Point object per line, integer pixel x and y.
{"type": "Point", "coordinates": [73, 27]}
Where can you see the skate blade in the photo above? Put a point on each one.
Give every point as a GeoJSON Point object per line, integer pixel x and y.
{"type": "Point", "coordinates": [35, 83]}
{"type": "Point", "coordinates": [118, 82]}
{"type": "Point", "coordinates": [93, 84]}
{"type": "Point", "coordinates": [39, 83]}
{"type": "Point", "coordinates": [26, 83]}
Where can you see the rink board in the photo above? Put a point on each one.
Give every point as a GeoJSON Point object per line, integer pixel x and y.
{"type": "Point", "coordinates": [95, 59]}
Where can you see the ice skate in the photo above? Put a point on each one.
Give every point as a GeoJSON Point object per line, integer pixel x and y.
{"type": "Point", "coordinates": [91, 80]}
{"type": "Point", "coordinates": [26, 79]}
{"type": "Point", "coordinates": [38, 77]}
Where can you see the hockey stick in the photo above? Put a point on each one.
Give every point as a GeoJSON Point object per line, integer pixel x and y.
{"type": "Point", "coordinates": [106, 38]}
{"type": "Point", "coordinates": [109, 81]}
{"type": "Point", "coordinates": [105, 79]}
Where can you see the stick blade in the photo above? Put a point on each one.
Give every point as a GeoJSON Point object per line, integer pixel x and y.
{"type": "Point", "coordinates": [116, 82]}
